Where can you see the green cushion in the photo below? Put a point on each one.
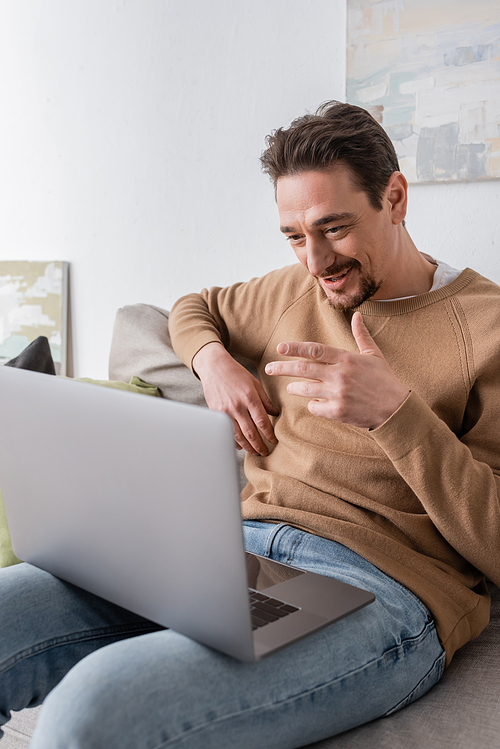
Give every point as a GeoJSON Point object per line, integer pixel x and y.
{"type": "Point", "coordinates": [7, 556]}
{"type": "Point", "coordinates": [136, 385]}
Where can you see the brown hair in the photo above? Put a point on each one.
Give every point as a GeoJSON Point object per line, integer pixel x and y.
{"type": "Point", "coordinates": [335, 133]}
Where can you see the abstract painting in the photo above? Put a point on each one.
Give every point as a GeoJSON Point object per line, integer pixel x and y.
{"type": "Point", "coordinates": [429, 72]}
{"type": "Point", "coordinates": [33, 302]}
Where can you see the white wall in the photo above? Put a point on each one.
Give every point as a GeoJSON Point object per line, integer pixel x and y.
{"type": "Point", "coordinates": [130, 137]}
{"type": "Point", "coordinates": [458, 223]}
{"type": "Point", "coordinates": [130, 134]}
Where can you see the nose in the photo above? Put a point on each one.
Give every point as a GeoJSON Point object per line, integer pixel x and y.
{"type": "Point", "coordinates": [319, 255]}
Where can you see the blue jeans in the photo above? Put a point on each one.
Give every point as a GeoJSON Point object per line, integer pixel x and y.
{"type": "Point", "coordinates": [114, 679]}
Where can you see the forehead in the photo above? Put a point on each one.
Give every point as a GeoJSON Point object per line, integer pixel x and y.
{"type": "Point", "coordinates": [311, 194]}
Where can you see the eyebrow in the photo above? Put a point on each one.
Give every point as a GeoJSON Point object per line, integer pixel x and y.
{"type": "Point", "coordinates": [330, 219]}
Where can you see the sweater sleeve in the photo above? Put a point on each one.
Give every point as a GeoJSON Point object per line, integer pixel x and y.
{"type": "Point", "coordinates": [193, 325]}
{"type": "Point", "coordinates": [456, 480]}
{"type": "Point", "coordinates": [241, 317]}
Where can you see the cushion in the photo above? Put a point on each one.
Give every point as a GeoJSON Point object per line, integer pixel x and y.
{"type": "Point", "coordinates": [7, 556]}
{"type": "Point", "coordinates": [136, 385]}
{"type": "Point", "coordinates": [141, 347]}
{"type": "Point", "coordinates": [17, 732]}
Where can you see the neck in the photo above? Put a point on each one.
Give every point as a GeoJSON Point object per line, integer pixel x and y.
{"type": "Point", "coordinates": [414, 274]}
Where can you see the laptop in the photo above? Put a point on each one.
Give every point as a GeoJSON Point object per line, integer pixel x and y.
{"type": "Point", "coordinates": [136, 499]}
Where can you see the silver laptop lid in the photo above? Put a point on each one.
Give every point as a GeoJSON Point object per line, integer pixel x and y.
{"type": "Point", "coordinates": [101, 488]}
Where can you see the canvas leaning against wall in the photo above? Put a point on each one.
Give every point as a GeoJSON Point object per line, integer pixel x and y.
{"type": "Point", "coordinates": [33, 302]}
{"type": "Point", "coordinates": [429, 72]}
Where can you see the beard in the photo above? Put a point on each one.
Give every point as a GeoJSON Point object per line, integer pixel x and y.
{"type": "Point", "coordinates": [344, 301]}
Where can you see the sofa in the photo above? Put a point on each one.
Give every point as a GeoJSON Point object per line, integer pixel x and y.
{"type": "Point", "coordinates": [461, 712]}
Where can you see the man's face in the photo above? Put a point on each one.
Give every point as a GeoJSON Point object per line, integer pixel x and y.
{"type": "Point", "coordinates": [336, 234]}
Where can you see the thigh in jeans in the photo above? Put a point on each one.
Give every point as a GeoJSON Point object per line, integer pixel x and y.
{"type": "Point", "coordinates": [46, 626]}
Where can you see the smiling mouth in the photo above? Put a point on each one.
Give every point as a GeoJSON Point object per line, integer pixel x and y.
{"type": "Point", "coordinates": [336, 279]}
{"type": "Point", "coordinates": [332, 279]}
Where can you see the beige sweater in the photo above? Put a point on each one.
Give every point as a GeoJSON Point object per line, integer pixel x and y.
{"type": "Point", "coordinates": [419, 496]}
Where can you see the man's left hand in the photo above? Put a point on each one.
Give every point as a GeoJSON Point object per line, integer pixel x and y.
{"type": "Point", "coordinates": [359, 389]}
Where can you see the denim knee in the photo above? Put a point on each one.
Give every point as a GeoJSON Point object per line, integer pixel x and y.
{"type": "Point", "coordinates": [73, 715]}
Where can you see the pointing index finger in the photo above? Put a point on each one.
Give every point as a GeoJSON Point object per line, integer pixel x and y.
{"type": "Point", "coordinates": [303, 356]}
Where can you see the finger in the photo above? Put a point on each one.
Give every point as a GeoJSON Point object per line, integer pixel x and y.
{"type": "Point", "coordinates": [309, 350]}
{"type": "Point", "coordinates": [266, 402]}
{"type": "Point", "coordinates": [364, 341]}
{"type": "Point", "coordinates": [259, 408]}
{"type": "Point", "coordinates": [262, 422]}
{"type": "Point", "coordinates": [241, 442]}
{"type": "Point", "coordinates": [247, 435]}
{"type": "Point", "coordinates": [298, 368]}
{"type": "Point", "coordinates": [309, 389]}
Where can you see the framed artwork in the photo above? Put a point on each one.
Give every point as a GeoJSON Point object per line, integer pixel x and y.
{"type": "Point", "coordinates": [33, 302]}
{"type": "Point", "coordinates": [429, 72]}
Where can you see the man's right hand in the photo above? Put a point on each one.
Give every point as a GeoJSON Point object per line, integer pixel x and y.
{"type": "Point", "coordinates": [230, 388]}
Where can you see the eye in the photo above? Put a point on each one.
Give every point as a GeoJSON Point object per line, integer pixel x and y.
{"type": "Point", "coordinates": [294, 238]}
{"type": "Point", "coordinates": [334, 229]}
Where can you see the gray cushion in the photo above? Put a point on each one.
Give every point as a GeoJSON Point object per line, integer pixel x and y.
{"type": "Point", "coordinates": [19, 729]}
{"type": "Point", "coordinates": [141, 343]}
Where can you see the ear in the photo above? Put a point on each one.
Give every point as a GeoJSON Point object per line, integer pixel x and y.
{"type": "Point", "coordinates": [397, 195]}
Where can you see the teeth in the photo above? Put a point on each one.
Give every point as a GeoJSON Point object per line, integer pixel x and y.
{"type": "Point", "coordinates": [336, 278]}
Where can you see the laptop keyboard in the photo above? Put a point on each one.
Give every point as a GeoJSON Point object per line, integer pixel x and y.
{"type": "Point", "coordinates": [265, 609]}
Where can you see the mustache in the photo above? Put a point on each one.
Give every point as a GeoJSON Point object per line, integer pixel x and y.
{"type": "Point", "coordinates": [337, 268]}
